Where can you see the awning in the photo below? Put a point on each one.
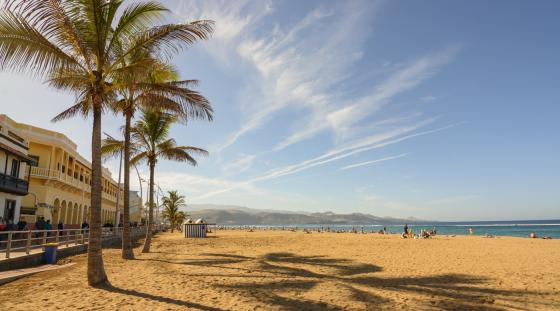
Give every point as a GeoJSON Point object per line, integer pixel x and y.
{"type": "Point", "coordinates": [15, 152]}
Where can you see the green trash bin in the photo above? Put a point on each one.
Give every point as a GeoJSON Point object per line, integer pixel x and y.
{"type": "Point", "coordinates": [49, 256]}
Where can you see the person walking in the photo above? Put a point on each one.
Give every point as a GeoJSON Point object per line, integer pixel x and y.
{"type": "Point", "coordinates": [60, 228]}
{"type": "Point", "coordinates": [48, 227]}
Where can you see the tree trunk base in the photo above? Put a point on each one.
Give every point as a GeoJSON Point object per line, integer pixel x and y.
{"type": "Point", "coordinates": [102, 283]}
{"type": "Point", "coordinates": [127, 254]}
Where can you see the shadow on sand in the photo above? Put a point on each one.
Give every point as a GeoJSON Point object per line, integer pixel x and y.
{"type": "Point", "coordinates": [357, 281]}
{"type": "Point", "coordinates": [176, 302]}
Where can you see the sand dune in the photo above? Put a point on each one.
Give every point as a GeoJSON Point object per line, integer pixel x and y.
{"type": "Point", "coordinates": [319, 271]}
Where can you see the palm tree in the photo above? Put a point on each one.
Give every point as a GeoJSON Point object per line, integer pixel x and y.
{"type": "Point", "coordinates": [80, 46]}
{"type": "Point", "coordinates": [150, 142]}
{"type": "Point", "coordinates": [180, 218]}
{"type": "Point", "coordinates": [171, 204]}
{"type": "Point", "coordinates": [154, 86]}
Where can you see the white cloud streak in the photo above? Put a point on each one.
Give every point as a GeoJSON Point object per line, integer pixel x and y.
{"type": "Point", "coordinates": [370, 143]}
{"type": "Point", "coordinates": [347, 167]}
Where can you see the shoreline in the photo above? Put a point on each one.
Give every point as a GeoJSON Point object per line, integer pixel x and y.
{"type": "Point", "coordinates": [315, 229]}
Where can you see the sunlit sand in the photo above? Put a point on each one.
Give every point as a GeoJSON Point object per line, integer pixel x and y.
{"type": "Point", "coordinates": [266, 270]}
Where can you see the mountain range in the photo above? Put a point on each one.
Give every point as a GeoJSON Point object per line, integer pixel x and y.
{"type": "Point", "coordinates": [240, 215]}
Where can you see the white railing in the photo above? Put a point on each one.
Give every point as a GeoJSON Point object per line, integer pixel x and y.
{"type": "Point", "coordinates": [42, 172]}
{"type": "Point", "coordinates": [27, 241]}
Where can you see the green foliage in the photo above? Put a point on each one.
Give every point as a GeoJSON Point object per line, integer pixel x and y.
{"type": "Point", "coordinates": [172, 204]}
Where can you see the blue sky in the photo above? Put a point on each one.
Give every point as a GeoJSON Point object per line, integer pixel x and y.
{"type": "Point", "coordinates": [441, 110]}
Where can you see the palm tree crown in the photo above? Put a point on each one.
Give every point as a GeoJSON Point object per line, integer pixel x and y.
{"type": "Point", "coordinates": [172, 204]}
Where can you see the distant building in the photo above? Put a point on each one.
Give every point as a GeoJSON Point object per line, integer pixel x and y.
{"type": "Point", "coordinates": [136, 208]}
{"type": "Point", "coordinates": [13, 167]}
{"type": "Point", "coordinates": [59, 179]}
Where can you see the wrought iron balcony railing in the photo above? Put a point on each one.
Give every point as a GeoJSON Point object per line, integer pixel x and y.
{"type": "Point", "coordinates": [13, 185]}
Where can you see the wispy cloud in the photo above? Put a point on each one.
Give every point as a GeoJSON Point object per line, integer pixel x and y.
{"type": "Point", "coordinates": [241, 164]}
{"type": "Point", "coordinates": [234, 19]}
{"type": "Point", "coordinates": [370, 143]}
{"type": "Point", "coordinates": [347, 167]}
{"type": "Point", "coordinates": [304, 67]}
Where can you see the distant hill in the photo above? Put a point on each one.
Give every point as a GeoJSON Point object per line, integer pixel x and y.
{"type": "Point", "coordinates": [238, 215]}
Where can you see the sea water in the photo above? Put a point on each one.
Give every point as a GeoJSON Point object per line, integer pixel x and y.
{"type": "Point", "coordinates": [542, 228]}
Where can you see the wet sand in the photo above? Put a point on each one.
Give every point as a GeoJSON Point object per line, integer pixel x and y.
{"type": "Point", "coordinates": [276, 270]}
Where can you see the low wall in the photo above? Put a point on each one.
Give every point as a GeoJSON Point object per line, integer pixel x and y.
{"type": "Point", "coordinates": [36, 259]}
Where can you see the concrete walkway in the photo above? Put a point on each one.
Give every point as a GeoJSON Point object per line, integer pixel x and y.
{"type": "Point", "coordinates": [8, 276]}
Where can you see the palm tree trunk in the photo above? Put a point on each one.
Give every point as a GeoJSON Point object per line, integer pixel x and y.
{"type": "Point", "coordinates": [148, 240]}
{"type": "Point", "coordinates": [96, 271]}
{"type": "Point", "coordinates": [127, 252]}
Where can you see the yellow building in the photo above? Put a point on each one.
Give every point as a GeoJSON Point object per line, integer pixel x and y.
{"type": "Point", "coordinates": [59, 180]}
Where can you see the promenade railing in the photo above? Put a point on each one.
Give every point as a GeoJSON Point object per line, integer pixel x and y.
{"type": "Point", "coordinates": [12, 242]}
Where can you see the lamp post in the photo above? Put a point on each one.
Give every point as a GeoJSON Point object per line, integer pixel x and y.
{"type": "Point", "coordinates": [117, 218]}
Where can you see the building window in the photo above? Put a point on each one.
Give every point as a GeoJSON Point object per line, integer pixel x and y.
{"type": "Point", "coordinates": [15, 168]}
{"type": "Point", "coordinates": [63, 168]}
{"type": "Point", "coordinates": [10, 210]}
{"type": "Point", "coordinates": [35, 161]}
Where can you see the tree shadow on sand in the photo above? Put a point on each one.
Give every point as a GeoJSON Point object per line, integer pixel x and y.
{"type": "Point", "coordinates": [304, 273]}
{"type": "Point", "coordinates": [181, 303]}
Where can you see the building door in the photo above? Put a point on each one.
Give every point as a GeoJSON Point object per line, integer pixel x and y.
{"type": "Point", "coordinates": [10, 210]}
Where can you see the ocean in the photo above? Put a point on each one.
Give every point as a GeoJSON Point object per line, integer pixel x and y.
{"type": "Point", "coordinates": [524, 228]}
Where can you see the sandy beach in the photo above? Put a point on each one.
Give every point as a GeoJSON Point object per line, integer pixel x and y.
{"type": "Point", "coordinates": [276, 270]}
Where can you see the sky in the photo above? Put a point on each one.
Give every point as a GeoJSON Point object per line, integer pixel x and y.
{"type": "Point", "coordinates": [442, 110]}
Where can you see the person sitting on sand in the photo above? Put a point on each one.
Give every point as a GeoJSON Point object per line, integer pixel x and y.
{"type": "Point", "coordinates": [533, 235]}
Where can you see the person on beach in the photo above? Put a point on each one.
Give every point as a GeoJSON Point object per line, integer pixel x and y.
{"type": "Point", "coordinates": [85, 226]}
{"type": "Point", "coordinates": [39, 225]}
{"type": "Point", "coordinates": [60, 228]}
{"type": "Point", "coordinates": [22, 224]}
{"type": "Point", "coordinates": [406, 229]}
{"type": "Point", "coordinates": [48, 226]}
{"type": "Point", "coordinates": [471, 232]}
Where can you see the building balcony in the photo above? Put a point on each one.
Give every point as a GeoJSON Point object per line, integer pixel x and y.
{"type": "Point", "coordinates": [68, 180]}
{"type": "Point", "coordinates": [13, 185]}
{"type": "Point", "coordinates": [44, 173]}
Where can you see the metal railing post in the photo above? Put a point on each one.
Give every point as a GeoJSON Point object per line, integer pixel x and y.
{"type": "Point", "coordinates": [9, 245]}
{"type": "Point", "coordinates": [44, 237]}
{"type": "Point", "coordinates": [67, 239]}
{"type": "Point", "coordinates": [28, 245]}
{"type": "Point", "coordinates": [57, 236]}
{"type": "Point", "coordinates": [75, 237]}
{"type": "Point", "coordinates": [83, 236]}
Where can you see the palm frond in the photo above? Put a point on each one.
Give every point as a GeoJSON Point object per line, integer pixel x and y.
{"type": "Point", "coordinates": [81, 108]}
{"type": "Point", "coordinates": [169, 39]}
{"type": "Point", "coordinates": [176, 154]}
{"type": "Point", "coordinates": [139, 157]}
{"type": "Point", "coordinates": [135, 18]}
{"type": "Point", "coordinates": [24, 48]}
{"type": "Point", "coordinates": [193, 104]}
{"type": "Point", "coordinates": [111, 147]}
